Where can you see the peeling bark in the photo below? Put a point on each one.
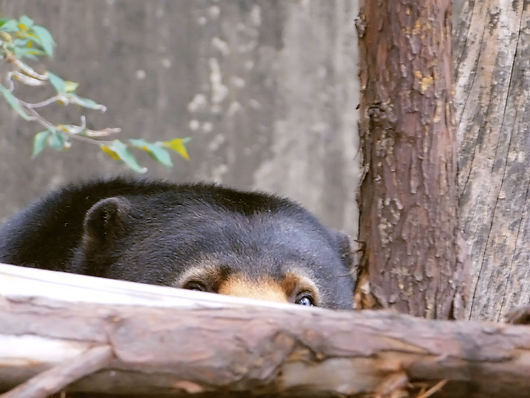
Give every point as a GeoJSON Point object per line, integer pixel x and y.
{"type": "Point", "coordinates": [408, 219]}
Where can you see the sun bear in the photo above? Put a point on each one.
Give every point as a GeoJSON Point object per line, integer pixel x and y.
{"type": "Point", "coordinates": [193, 236]}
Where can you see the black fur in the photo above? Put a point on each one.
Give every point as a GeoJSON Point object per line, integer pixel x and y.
{"type": "Point", "coordinates": [150, 231]}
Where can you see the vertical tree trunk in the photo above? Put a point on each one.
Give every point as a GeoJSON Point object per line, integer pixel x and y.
{"type": "Point", "coordinates": [492, 97]}
{"type": "Point", "coordinates": [408, 199]}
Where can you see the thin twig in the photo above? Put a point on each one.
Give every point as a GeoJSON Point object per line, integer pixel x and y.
{"type": "Point", "coordinates": [438, 386]}
{"type": "Point", "coordinates": [35, 116]}
{"type": "Point", "coordinates": [42, 103]}
{"type": "Point", "coordinates": [102, 133]}
{"type": "Point", "coordinates": [86, 139]}
{"type": "Point", "coordinates": [10, 57]}
{"type": "Point", "coordinates": [80, 133]}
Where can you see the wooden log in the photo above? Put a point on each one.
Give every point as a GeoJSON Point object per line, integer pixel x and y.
{"type": "Point", "coordinates": [169, 341]}
{"type": "Point", "coordinates": [57, 378]}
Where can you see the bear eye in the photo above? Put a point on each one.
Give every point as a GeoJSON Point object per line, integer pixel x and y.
{"type": "Point", "coordinates": [305, 299]}
{"type": "Point", "coordinates": [194, 285]}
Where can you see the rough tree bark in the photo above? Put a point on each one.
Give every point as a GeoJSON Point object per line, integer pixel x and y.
{"type": "Point", "coordinates": [408, 199]}
{"type": "Point", "coordinates": [156, 340]}
{"type": "Point", "coordinates": [492, 97]}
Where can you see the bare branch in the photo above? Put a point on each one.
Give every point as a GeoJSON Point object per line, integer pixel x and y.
{"type": "Point", "coordinates": [41, 104]}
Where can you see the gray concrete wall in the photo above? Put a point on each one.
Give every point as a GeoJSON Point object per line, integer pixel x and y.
{"type": "Point", "coordinates": [266, 89]}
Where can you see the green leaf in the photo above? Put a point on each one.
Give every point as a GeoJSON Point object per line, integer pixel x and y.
{"type": "Point", "coordinates": [123, 152]}
{"type": "Point", "coordinates": [85, 102]}
{"type": "Point", "coordinates": [58, 140]}
{"type": "Point", "coordinates": [178, 146]}
{"type": "Point", "coordinates": [21, 42]}
{"type": "Point", "coordinates": [138, 142]}
{"type": "Point", "coordinates": [25, 52]}
{"type": "Point", "coordinates": [39, 142]}
{"type": "Point", "coordinates": [70, 87]}
{"type": "Point", "coordinates": [12, 100]}
{"type": "Point", "coordinates": [27, 21]}
{"type": "Point", "coordinates": [46, 39]}
{"type": "Point", "coordinates": [20, 52]}
{"type": "Point", "coordinates": [155, 150]}
{"type": "Point", "coordinates": [161, 155]}
{"type": "Point", "coordinates": [10, 26]}
{"type": "Point", "coordinates": [58, 84]}
{"type": "Point", "coordinates": [29, 55]}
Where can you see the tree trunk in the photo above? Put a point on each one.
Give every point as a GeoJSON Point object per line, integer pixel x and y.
{"type": "Point", "coordinates": [492, 52]}
{"type": "Point", "coordinates": [154, 340]}
{"type": "Point", "coordinates": [408, 223]}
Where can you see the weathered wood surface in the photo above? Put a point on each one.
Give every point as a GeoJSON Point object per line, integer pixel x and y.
{"type": "Point", "coordinates": [492, 101]}
{"type": "Point", "coordinates": [168, 341]}
{"type": "Point", "coordinates": [408, 201]}
{"type": "Point", "coordinates": [55, 379]}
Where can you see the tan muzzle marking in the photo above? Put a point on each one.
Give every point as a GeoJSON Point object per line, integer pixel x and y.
{"type": "Point", "coordinates": [264, 289]}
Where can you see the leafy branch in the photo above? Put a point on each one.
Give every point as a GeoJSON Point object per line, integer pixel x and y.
{"type": "Point", "coordinates": [21, 39]}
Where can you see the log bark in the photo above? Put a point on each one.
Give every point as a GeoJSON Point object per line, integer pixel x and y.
{"type": "Point", "coordinates": [408, 200]}
{"type": "Point", "coordinates": [492, 97]}
{"type": "Point", "coordinates": [175, 342]}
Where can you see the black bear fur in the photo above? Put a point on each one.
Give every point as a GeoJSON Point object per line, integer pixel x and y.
{"type": "Point", "coordinates": [152, 232]}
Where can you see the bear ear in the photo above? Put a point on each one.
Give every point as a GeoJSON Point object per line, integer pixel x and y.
{"type": "Point", "coordinates": [347, 250]}
{"type": "Point", "coordinates": [104, 221]}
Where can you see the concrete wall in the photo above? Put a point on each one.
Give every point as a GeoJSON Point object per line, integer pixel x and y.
{"type": "Point", "coordinates": [266, 89]}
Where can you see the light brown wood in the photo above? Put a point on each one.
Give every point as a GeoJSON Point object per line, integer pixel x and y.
{"type": "Point", "coordinates": [59, 377]}
{"type": "Point", "coordinates": [492, 101]}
